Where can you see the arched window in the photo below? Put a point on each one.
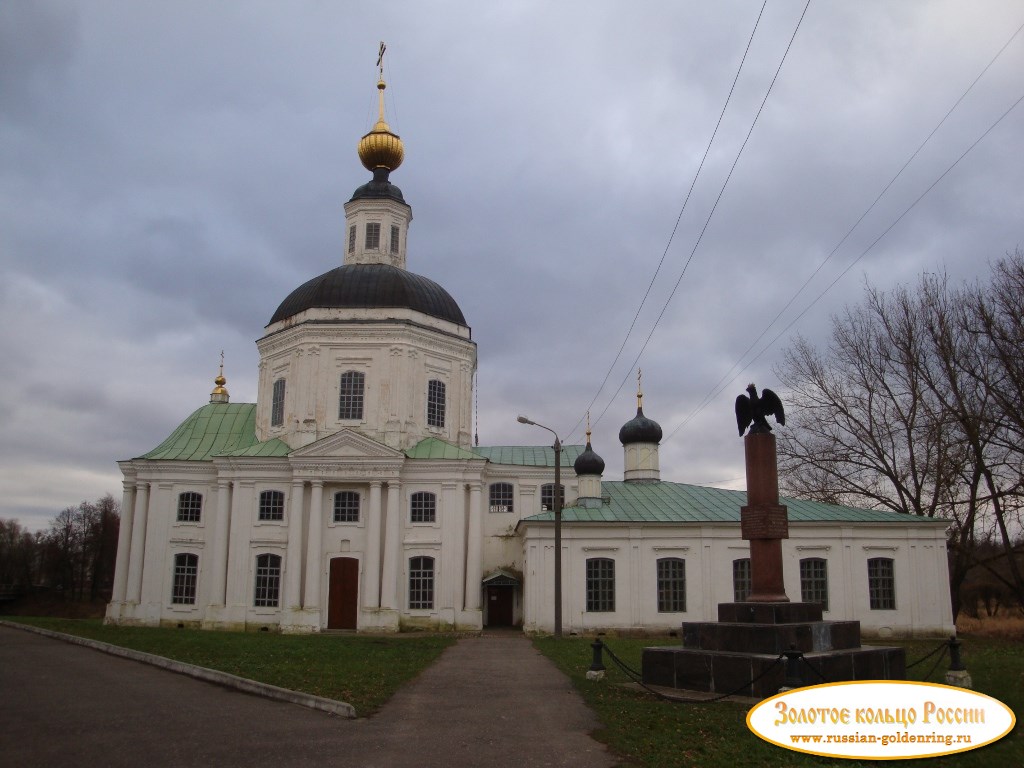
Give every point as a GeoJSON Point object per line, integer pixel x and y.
{"type": "Point", "coordinates": [190, 507]}
{"type": "Point", "coordinates": [271, 505]}
{"type": "Point", "coordinates": [671, 585]}
{"type": "Point", "coordinates": [350, 397]}
{"type": "Point", "coordinates": [277, 404]}
{"type": "Point", "coordinates": [346, 507]}
{"type": "Point", "coordinates": [882, 584]}
{"type": "Point", "coordinates": [547, 497]}
{"type": "Point", "coordinates": [501, 495]}
{"type": "Point", "coordinates": [423, 507]}
{"type": "Point", "coordinates": [741, 579]}
{"type": "Point", "coordinates": [435, 403]}
{"type": "Point", "coordinates": [814, 581]}
{"type": "Point", "coordinates": [421, 583]}
{"type": "Point", "coordinates": [600, 584]}
{"type": "Point", "coordinates": [268, 581]}
{"type": "Point", "coordinates": [186, 575]}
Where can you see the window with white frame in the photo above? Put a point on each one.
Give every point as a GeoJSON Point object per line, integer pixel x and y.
{"type": "Point", "coordinates": [421, 583]}
{"type": "Point", "coordinates": [271, 505]}
{"type": "Point", "coordinates": [423, 507]}
{"type": "Point", "coordinates": [435, 403]}
{"type": "Point", "coordinates": [814, 581]}
{"type": "Point", "coordinates": [600, 584]}
{"type": "Point", "coordinates": [671, 585]}
{"type": "Point", "coordinates": [277, 404]}
{"type": "Point", "coordinates": [352, 238]}
{"type": "Point", "coordinates": [882, 584]}
{"type": "Point", "coordinates": [267, 590]}
{"type": "Point", "coordinates": [190, 507]}
{"type": "Point", "coordinates": [547, 497]}
{"type": "Point", "coordinates": [741, 583]}
{"type": "Point", "coordinates": [350, 397]}
{"type": "Point", "coordinates": [372, 236]}
{"type": "Point", "coordinates": [394, 239]}
{"type": "Point", "coordinates": [346, 507]}
{"type": "Point", "coordinates": [501, 497]}
{"type": "Point", "coordinates": [185, 578]}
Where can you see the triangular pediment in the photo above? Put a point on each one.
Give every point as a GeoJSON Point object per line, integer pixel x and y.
{"type": "Point", "coordinates": [347, 444]}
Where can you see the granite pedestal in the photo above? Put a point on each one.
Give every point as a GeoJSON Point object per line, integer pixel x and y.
{"type": "Point", "coordinates": [736, 654]}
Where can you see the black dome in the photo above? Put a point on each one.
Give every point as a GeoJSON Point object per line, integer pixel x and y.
{"type": "Point", "coordinates": [379, 188]}
{"type": "Point", "coordinates": [368, 286]}
{"type": "Point", "coordinates": [588, 462]}
{"type": "Point", "coordinates": [640, 429]}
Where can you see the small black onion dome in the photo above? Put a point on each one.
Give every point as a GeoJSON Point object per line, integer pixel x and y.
{"type": "Point", "coordinates": [640, 429]}
{"type": "Point", "coordinates": [371, 286]}
{"type": "Point", "coordinates": [379, 188]}
{"type": "Point", "coordinates": [588, 462]}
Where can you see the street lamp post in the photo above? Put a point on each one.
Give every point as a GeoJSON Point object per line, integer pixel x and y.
{"type": "Point", "coordinates": [558, 523]}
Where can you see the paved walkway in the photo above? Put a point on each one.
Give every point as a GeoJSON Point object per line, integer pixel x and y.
{"type": "Point", "coordinates": [488, 701]}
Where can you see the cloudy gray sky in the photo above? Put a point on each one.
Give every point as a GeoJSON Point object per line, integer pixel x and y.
{"type": "Point", "coordinates": [169, 172]}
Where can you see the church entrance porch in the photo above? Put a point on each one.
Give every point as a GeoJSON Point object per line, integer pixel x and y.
{"type": "Point", "coordinates": [343, 593]}
{"type": "Point", "coordinates": [500, 590]}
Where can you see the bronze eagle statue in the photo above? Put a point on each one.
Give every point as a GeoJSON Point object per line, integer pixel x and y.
{"type": "Point", "coordinates": [755, 409]}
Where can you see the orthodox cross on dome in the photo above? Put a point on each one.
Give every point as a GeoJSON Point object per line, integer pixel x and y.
{"type": "Point", "coordinates": [639, 388]}
{"type": "Point", "coordinates": [380, 59]}
{"type": "Point", "coordinates": [381, 148]}
{"type": "Point", "coordinates": [220, 393]}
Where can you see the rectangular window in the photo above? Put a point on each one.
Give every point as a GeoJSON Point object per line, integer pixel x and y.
{"type": "Point", "coordinates": [814, 581]}
{"type": "Point", "coordinates": [271, 505]}
{"type": "Point", "coordinates": [600, 584]}
{"type": "Point", "coordinates": [190, 507]}
{"type": "Point", "coordinates": [423, 507]}
{"type": "Point", "coordinates": [277, 404]}
{"type": "Point", "coordinates": [741, 579]}
{"type": "Point", "coordinates": [501, 497]}
{"type": "Point", "coordinates": [350, 398]}
{"type": "Point", "coordinates": [435, 403]}
{"type": "Point", "coordinates": [671, 585]}
{"type": "Point", "coordinates": [881, 584]}
{"type": "Point", "coordinates": [186, 574]}
{"type": "Point", "coordinates": [547, 497]}
{"type": "Point", "coordinates": [352, 239]}
{"type": "Point", "coordinates": [268, 581]}
{"type": "Point", "coordinates": [372, 237]}
{"type": "Point", "coordinates": [346, 507]}
{"type": "Point", "coordinates": [421, 583]}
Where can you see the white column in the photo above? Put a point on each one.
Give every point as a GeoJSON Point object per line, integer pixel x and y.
{"type": "Point", "coordinates": [221, 537]}
{"type": "Point", "coordinates": [293, 560]}
{"type": "Point", "coordinates": [371, 577]}
{"type": "Point", "coordinates": [392, 542]}
{"type": "Point", "coordinates": [238, 591]}
{"type": "Point", "coordinates": [313, 544]}
{"type": "Point", "coordinates": [134, 594]}
{"type": "Point", "coordinates": [453, 577]}
{"type": "Point", "coordinates": [124, 541]}
{"type": "Point", "coordinates": [474, 547]}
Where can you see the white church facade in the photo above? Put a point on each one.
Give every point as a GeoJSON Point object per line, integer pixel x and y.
{"type": "Point", "coordinates": [351, 496]}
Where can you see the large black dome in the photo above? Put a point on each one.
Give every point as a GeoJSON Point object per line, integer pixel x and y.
{"type": "Point", "coordinates": [368, 286]}
{"type": "Point", "coordinates": [640, 429]}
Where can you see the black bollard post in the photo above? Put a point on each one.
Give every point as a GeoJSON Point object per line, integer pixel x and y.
{"type": "Point", "coordinates": [794, 679]}
{"type": "Point", "coordinates": [596, 671]}
{"type": "Point", "coordinates": [956, 664]}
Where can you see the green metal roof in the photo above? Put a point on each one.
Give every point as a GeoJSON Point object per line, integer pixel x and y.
{"type": "Point", "coordinates": [432, 448]}
{"type": "Point", "coordinates": [217, 429]}
{"type": "Point", "coordinates": [665, 502]}
{"type": "Point", "coordinates": [529, 455]}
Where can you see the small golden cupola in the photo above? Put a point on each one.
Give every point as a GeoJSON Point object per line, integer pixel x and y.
{"type": "Point", "coordinates": [220, 392]}
{"type": "Point", "coordinates": [381, 148]}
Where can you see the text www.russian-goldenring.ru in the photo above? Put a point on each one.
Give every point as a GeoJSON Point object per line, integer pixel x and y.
{"type": "Point", "coordinates": [885, 740]}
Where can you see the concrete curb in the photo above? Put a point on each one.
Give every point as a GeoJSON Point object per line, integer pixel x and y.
{"type": "Point", "coordinates": [340, 708]}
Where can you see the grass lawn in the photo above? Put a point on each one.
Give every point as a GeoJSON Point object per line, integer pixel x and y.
{"type": "Point", "coordinates": [363, 671]}
{"type": "Point", "coordinates": [647, 731]}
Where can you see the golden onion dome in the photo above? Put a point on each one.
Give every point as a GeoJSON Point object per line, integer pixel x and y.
{"type": "Point", "coordinates": [381, 148]}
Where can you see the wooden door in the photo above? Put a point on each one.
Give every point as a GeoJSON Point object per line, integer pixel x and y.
{"type": "Point", "coordinates": [343, 593]}
{"type": "Point", "coordinates": [499, 606]}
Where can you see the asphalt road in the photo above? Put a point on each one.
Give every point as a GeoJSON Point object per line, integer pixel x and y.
{"type": "Point", "coordinates": [488, 701]}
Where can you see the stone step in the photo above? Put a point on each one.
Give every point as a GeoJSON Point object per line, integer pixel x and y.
{"type": "Point", "coordinates": [771, 638]}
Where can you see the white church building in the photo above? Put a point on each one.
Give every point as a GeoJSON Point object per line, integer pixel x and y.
{"type": "Point", "coordinates": [350, 495]}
